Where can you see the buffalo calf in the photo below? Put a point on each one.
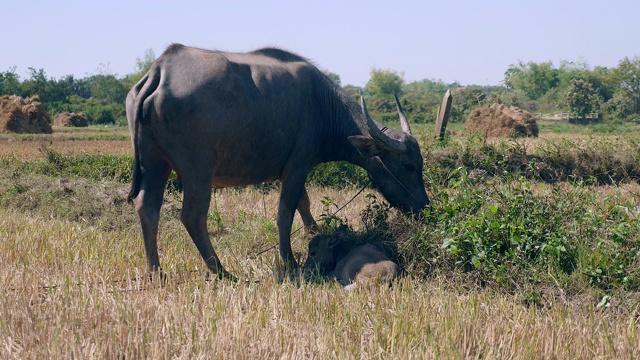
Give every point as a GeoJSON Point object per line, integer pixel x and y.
{"type": "Point", "coordinates": [331, 256]}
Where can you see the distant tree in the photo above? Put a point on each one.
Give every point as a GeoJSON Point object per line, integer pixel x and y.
{"type": "Point", "coordinates": [465, 100]}
{"type": "Point", "coordinates": [102, 114]}
{"type": "Point", "coordinates": [73, 86]}
{"type": "Point", "coordinates": [620, 106]}
{"type": "Point", "coordinates": [627, 76]}
{"type": "Point", "coordinates": [384, 83]}
{"type": "Point", "coordinates": [426, 86]}
{"type": "Point", "coordinates": [48, 89]}
{"type": "Point", "coordinates": [9, 82]}
{"type": "Point", "coordinates": [422, 98]}
{"type": "Point", "coordinates": [570, 70]}
{"type": "Point", "coordinates": [37, 84]}
{"type": "Point", "coordinates": [599, 78]}
{"type": "Point", "coordinates": [107, 88]}
{"type": "Point", "coordinates": [142, 66]}
{"type": "Point", "coordinates": [532, 78]}
{"type": "Point", "coordinates": [581, 98]}
{"type": "Point", "coordinates": [352, 91]}
{"type": "Point", "coordinates": [334, 77]}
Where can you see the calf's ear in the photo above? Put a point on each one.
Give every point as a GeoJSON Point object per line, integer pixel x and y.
{"type": "Point", "coordinates": [341, 231]}
{"type": "Point", "coordinates": [333, 242]}
{"type": "Point", "coordinates": [337, 236]}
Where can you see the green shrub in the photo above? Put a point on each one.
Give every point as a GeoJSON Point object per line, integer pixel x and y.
{"type": "Point", "coordinates": [338, 175]}
{"type": "Point", "coordinates": [508, 230]}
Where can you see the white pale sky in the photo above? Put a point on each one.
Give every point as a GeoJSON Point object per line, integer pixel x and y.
{"type": "Point", "coordinates": [469, 41]}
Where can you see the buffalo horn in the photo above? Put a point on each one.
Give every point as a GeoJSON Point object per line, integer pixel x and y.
{"type": "Point", "coordinates": [403, 119]}
{"type": "Point", "coordinates": [378, 136]}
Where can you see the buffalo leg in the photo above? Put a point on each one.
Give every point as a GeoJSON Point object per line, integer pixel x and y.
{"type": "Point", "coordinates": [292, 190]}
{"type": "Point", "coordinates": [148, 203]}
{"type": "Point", "coordinates": [197, 198]}
{"type": "Point", "coordinates": [304, 209]}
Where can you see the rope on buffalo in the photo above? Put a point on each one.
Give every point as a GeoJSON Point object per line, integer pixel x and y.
{"type": "Point", "coordinates": [334, 213]}
{"type": "Point", "coordinates": [353, 198]}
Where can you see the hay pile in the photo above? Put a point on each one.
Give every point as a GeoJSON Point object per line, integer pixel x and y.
{"type": "Point", "coordinates": [70, 119]}
{"type": "Point", "coordinates": [18, 115]}
{"type": "Point", "coordinates": [498, 120]}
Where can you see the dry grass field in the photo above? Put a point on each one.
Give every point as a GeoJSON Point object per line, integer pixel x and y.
{"type": "Point", "coordinates": [66, 141]}
{"type": "Point", "coordinates": [74, 286]}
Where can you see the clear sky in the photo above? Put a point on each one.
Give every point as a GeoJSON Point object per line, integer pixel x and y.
{"type": "Point", "coordinates": [469, 41]}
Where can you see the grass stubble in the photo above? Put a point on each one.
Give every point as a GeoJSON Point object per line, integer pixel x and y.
{"type": "Point", "coordinates": [76, 289]}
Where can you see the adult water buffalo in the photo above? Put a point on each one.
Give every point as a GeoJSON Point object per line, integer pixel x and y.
{"type": "Point", "coordinates": [233, 119]}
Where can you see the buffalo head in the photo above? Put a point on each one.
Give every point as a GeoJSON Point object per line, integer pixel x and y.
{"type": "Point", "coordinates": [393, 162]}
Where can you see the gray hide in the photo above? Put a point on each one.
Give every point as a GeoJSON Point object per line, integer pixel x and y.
{"type": "Point", "coordinates": [233, 119]}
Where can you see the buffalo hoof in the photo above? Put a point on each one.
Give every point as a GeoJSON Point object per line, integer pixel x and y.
{"type": "Point", "coordinates": [287, 271]}
{"type": "Point", "coordinates": [222, 274]}
{"type": "Point", "coordinates": [158, 277]}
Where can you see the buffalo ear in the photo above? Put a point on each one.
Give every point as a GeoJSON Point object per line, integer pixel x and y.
{"type": "Point", "coordinates": [365, 145]}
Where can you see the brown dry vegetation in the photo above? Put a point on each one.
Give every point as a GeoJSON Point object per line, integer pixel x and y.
{"type": "Point", "coordinates": [499, 120]}
{"type": "Point", "coordinates": [67, 141]}
{"type": "Point", "coordinates": [72, 286]}
{"type": "Point", "coordinates": [74, 290]}
{"type": "Point", "coordinates": [25, 150]}
{"type": "Point", "coordinates": [70, 119]}
{"type": "Point", "coordinates": [18, 115]}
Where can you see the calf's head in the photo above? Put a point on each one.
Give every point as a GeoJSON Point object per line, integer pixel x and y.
{"type": "Point", "coordinates": [324, 251]}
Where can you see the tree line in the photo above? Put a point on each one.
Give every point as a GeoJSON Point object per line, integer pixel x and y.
{"type": "Point", "coordinates": [99, 97]}
{"type": "Point", "coordinates": [574, 87]}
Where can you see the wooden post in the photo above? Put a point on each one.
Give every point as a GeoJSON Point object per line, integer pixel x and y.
{"type": "Point", "coordinates": [444, 110]}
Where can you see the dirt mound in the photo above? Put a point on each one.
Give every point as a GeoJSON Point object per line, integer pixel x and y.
{"type": "Point", "coordinates": [498, 120]}
{"type": "Point", "coordinates": [70, 119]}
{"type": "Point", "coordinates": [18, 115]}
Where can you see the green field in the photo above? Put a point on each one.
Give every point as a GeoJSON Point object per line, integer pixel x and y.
{"type": "Point", "coordinates": [531, 249]}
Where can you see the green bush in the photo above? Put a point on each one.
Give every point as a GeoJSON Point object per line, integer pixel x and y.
{"type": "Point", "coordinates": [507, 234]}
{"type": "Point", "coordinates": [338, 175]}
